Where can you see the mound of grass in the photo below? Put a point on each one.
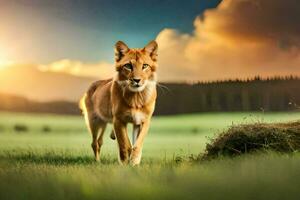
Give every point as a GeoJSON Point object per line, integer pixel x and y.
{"type": "Point", "coordinates": [237, 140]}
{"type": "Point", "coordinates": [20, 128]}
{"type": "Point", "coordinates": [46, 129]}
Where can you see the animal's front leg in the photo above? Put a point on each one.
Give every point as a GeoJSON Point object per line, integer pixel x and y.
{"type": "Point", "coordinates": [136, 153]}
{"type": "Point", "coordinates": [135, 133]}
{"type": "Point", "coordinates": [120, 129]}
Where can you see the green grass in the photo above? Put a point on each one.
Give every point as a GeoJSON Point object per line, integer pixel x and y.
{"type": "Point", "coordinates": [59, 164]}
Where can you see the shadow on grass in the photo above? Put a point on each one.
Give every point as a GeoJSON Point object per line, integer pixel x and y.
{"type": "Point", "coordinates": [54, 159]}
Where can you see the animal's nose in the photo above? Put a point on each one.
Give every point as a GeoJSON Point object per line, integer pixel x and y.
{"type": "Point", "coordinates": [136, 80]}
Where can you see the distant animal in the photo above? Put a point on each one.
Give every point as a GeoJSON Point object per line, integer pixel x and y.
{"type": "Point", "coordinates": [128, 97]}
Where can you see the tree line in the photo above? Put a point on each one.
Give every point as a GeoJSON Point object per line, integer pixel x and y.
{"type": "Point", "coordinates": [270, 94]}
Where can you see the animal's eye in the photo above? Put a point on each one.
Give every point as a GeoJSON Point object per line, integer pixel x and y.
{"type": "Point", "coordinates": [145, 66]}
{"type": "Point", "coordinates": [128, 66]}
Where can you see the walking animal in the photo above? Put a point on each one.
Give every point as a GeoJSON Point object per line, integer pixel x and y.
{"type": "Point", "coordinates": [128, 97]}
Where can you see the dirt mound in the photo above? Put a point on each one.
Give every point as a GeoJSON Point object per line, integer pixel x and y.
{"type": "Point", "coordinates": [237, 140]}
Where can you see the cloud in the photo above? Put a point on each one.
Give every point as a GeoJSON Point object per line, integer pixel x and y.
{"type": "Point", "coordinates": [77, 68]}
{"type": "Point", "coordinates": [239, 38]}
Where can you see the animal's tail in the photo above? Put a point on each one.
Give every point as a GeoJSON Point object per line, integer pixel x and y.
{"type": "Point", "coordinates": [82, 106]}
{"type": "Point", "coordinates": [82, 103]}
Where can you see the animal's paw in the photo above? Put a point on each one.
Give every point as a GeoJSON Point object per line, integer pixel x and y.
{"type": "Point", "coordinates": [136, 156]}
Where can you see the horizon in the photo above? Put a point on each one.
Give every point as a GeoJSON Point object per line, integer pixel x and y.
{"type": "Point", "coordinates": [162, 87]}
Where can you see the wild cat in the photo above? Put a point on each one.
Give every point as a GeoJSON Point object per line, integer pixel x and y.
{"type": "Point", "coordinates": [129, 97]}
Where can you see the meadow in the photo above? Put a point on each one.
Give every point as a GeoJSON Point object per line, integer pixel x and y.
{"type": "Point", "coordinates": [49, 157]}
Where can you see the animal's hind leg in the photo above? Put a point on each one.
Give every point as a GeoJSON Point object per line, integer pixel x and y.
{"type": "Point", "coordinates": [100, 138]}
{"type": "Point", "coordinates": [97, 128]}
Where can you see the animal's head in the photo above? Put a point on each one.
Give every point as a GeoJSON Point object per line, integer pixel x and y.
{"type": "Point", "coordinates": [136, 67]}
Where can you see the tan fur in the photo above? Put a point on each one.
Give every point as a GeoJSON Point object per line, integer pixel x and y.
{"type": "Point", "coordinates": [129, 97]}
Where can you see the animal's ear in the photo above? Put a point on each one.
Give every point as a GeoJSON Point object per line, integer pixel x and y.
{"type": "Point", "coordinates": [120, 49]}
{"type": "Point", "coordinates": [152, 48]}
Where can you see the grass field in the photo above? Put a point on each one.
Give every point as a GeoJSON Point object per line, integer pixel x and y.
{"type": "Point", "coordinates": [52, 159]}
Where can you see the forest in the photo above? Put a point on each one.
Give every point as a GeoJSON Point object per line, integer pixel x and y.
{"type": "Point", "coordinates": [257, 94]}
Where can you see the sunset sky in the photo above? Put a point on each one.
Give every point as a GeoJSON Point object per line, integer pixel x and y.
{"type": "Point", "coordinates": [198, 39]}
{"type": "Point", "coordinates": [86, 30]}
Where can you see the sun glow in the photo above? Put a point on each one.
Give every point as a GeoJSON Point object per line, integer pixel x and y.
{"type": "Point", "coordinates": [4, 62]}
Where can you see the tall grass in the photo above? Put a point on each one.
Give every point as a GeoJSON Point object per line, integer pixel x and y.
{"type": "Point", "coordinates": [66, 176]}
{"type": "Point", "coordinates": [59, 164]}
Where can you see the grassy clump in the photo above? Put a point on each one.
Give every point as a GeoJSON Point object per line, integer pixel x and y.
{"type": "Point", "coordinates": [241, 139]}
{"type": "Point", "coordinates": [20, 128]}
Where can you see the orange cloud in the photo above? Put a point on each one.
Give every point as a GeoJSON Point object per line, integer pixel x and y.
{"type": "Point", "coordinates": [78, 68]}
{"type": "Point", "coordinates": [240, 38]}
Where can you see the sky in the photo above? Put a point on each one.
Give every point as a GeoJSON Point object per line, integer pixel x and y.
{"type": "Point", "coordinates": [47, 30]}
{"type": "Point", "coordinates": [198, 40]}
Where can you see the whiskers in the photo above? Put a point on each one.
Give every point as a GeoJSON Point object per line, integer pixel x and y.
{"type": "Point", "coordinates": [163, 88]}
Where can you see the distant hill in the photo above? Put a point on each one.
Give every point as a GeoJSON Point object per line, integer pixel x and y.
{"type": "Point", "coordinates": [276, 94]}
{"type": "Point", "coordinates": [34, 84]}
{"type": "Point", "coordinates": [15, 103]}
